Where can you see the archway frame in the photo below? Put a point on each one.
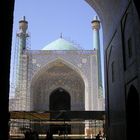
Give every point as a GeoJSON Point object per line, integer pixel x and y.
{"type": "Point", "coordinates": [49, 65]}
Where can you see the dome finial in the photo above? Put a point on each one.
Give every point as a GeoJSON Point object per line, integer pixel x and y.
{"type": "Point", "coordinates": [61, 36]}
{"type": "Point", "coordinates": [23, 18]}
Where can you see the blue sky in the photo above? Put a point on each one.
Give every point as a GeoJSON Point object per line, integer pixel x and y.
{"type": "Point", "coordinates": [49, 18]}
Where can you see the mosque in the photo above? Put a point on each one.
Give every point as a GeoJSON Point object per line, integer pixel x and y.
{"type": "Point", "coordinates": [60, 72]}
{"type": "Point", "coordinates": [61, 76]}
{"type": "Point", "coordinates": [121, 68]}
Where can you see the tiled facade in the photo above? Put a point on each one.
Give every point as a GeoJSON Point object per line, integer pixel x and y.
{"type": "Point", "coordinates": [75, 71]}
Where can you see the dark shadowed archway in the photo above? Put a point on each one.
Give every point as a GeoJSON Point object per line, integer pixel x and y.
{"type": "Point", "coordinates": [60, 100]}
{"type": "Point", "coordinates": [7, 22]}
{"type": "Point", "coordinates": [132, 114]}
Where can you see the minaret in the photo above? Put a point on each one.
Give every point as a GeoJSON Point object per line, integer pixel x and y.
{"type": "Point", "coordinates": [22, 36]}
{"type": "Point", "coordinates": [96, 45]}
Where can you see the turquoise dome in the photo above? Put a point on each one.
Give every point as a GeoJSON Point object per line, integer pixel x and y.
{"type": "Point", "coordinates": [60, 44]}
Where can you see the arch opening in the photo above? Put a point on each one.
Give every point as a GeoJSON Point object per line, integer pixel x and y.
{"type": "Point", "coordinates": [132, 113]}
{"type": "Point", "coordinates": [40, 91]}
{"type": "Point", "coordinates": [60, 100]}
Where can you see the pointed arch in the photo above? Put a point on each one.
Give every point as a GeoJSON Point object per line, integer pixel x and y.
{"type": "Point", "coordinates": [60, 60]}
{"type": "Point", "coordinates": [55, 74]}
{"type": "Point", "coordinates": [59, 100]}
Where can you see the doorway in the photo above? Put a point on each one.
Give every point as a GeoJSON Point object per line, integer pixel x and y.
{"type": "Point", "coordinates": [132, 114]}
{"type": "Point", "coordinates": [60, 100]}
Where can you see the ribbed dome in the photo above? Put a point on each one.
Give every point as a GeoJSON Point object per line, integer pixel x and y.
{"type": "Point", "coordinates": [60, 44]}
